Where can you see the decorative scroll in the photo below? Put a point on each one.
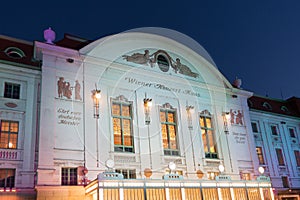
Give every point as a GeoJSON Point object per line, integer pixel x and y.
{"type": "Point", "coordinates": [150, 60]}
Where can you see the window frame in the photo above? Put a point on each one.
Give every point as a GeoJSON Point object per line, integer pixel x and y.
{"type": "Point", "coordinates": [297, 157]}
{"type": "Point", "coordinates": [260, 155]}
{"type": "Point", "coordinates": [127, 173]}
{"type": "Point", "coordinates": [256, 126]}
{"type": "Point", "coordinates": [169, 151]}
{"type": "Point", "coordinates": [206, 115]}
{"type": "Point", "coordinates": [9, 181]}
{"type": "Point", "coordinates": [276, 133]}
{"type": "Point", "coordinates": [10, 93]}
{"type": "Point", "coordinates": [280, 156]}
{"type": "Point", "coordinates": [122, 147]}
{"type": "Point", "coordinates": [294, 134]}
{"type": "Point", "coordinates": [70, 177]}
{"type": "Point", "coordinates": [9, 133]}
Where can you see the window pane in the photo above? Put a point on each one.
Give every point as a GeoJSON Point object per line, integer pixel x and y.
{"type": "Point", "coordinates": [162, 116]}
{"type": "Point", "coordinates": [202, 121]}
{"type": "Point", "coordinates": [171, 117]}
{"type": "Point", "coordinates": [126, 110]}
{"type": "Point", "coordinates": [297, 156]}
{"type": "Point", "coordinates": [280, 157]}
{"type": "Point", "coordinates": [117, 131]}
{"type": "Point", "coordinates": [254, 127]}
{"type": "Point", "coordinates": [204, 140]}
{"type": "Point", "coordinates": [164, 136]}
{"type": "Point", "coordinates": [208, 122]}
{"type": "Point", "coordinates": [4, 126]}
{"type": "Point", "coordinates": [211, 141]}
{"type": "Point", "coordinates": [172, 133]}
{"type": "Point", "coordinates": [116, 110]}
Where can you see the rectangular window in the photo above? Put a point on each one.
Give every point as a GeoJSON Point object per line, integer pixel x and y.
{"type": "Point", "coordinates": [69, 176]}
{"type": "Point", "coordinates": [122, 126]}
{"type": "Point", "coordinates": [246, 176]}
{"type": "Point", "coordinates": [260, 155]}
{"type": "Point", "coordinates": [127, 173]}
{"type": "Point", "coordinates": [212, 175]}
{"type": "Point", "coordinates": [280, 157]}
{"type": "Point", "coordinates": [297, 157]}
{"type": "Point", "coordinates": [7, 178]}
{"type": "Point", "coordinates": [285, 182]}
{"type": "Point", "coordinates": [274, 130]}
{"type": "Point", "coordinates": [254, 127]}
{"type": "Point", "coordinates": [12, 90]}
{"type": "Point", "coordinates": [292, 133]}
{"type": "Point", "coordinates": [169, 132]}
{"type": "Point", "coordinates": [9, 134]}
{"type": "Point", "coordinates": [208, 139]}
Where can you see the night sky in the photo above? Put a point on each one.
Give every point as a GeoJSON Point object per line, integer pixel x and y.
{"type": "Point", "coordinates": [257, 41]}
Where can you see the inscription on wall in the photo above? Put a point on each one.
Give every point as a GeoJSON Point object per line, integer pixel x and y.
{"type": "Point", "coordinates": [68, 117]}
{"type": "Point", "coordinates": [239, 138]}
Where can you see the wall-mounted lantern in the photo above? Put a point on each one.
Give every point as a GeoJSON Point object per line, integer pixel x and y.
{"type": "Point", "coordinates": [147, 108]}
{"type": "Point", "coordinates": [96, 98]}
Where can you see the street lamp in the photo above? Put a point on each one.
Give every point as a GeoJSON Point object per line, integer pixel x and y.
{"type": "Point", "coordinates": [147, 107]}
{"type": "Point", "coordinates": [96, 97]}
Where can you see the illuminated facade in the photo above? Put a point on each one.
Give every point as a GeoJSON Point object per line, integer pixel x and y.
{"type": "Point", "coordinates": [154, 105]}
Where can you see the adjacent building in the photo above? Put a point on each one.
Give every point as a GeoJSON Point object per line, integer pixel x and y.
{"type": "Point", "coordinates": [144, 114]}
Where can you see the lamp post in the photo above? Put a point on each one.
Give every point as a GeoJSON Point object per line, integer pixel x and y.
{"type": "Point", "coordinates": [147, 108]}
{"type": "Point", "coordinates": [96, 98]}
{"type": "Point", "coordinates": [190, 111]}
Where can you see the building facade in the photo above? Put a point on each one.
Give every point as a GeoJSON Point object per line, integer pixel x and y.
{"type": "Point", "coordinates": [275, 126]}
{"type": "Point", "coordinates": [144, 106]}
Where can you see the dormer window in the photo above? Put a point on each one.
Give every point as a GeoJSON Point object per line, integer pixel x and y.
{"type": "Point", "coordinates": [285, 109]}
{"type": "Point", "coordinates": [267, 106]}
{"type": "Point", "coordinates": [14, 52]}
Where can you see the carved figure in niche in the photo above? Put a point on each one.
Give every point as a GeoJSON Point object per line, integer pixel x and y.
{"type": "Point", "coordinates": [77, 90]}
{"type": "Point", "coordinates": [67, 90]}
{"type": "Point", "coordinates": [60, 86]}
{"type": "Point", "coordinates": [138, 58]}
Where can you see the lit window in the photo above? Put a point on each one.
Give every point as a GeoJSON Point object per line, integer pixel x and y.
{"type": "Point", "coordinates": [14, 52]}
{"type": "Point", "coordinates": [246, 176]}
{"type": "Point", "coordinates": [292, 132]}
{"type": "Point", "coordinates": [7, 178]}
{"type": "Point", "coordinates": [122, 126]}
{"type": "Point", "coordinates": [12, 90]}
{"type": "Point", "coordinates": [169, 132]}
{"type": "Point", "coordinates": [297, 157]}
{"type": "Point", "coordinates": [69, 176]}
{"type": "Point", "coordinates": [274, 130]}
{"type": "Point", "coordinates": [254, 127]}
{"type": "Point", "coordinates": [260, 155]}
{"type": "Point", "coordinates": [127, 173]}
{"type": "Point", "coordinates": [212, 175]}
{"type": "Point", "coordinates": [208, 138]}
{"type": "Point", "coordinates": [9, 134]}
{"type": "Point", "coordinates": [280, 157]}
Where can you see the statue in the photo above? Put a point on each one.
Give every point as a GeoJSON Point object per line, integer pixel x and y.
{"type": "Point", "coordinates": [60, 86]}
{"type": "Point", "coordinates": [67, 90]}
{"type": "Point", "coordinates": [183, 69]}
{"type": "Point", "coordinates": [138, 58]}
{"type": "Point", "coordinates": [77, 91]}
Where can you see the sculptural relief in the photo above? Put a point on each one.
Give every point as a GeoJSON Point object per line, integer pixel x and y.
{"type": "Point", "coordinates": [64, 89]}
{"type": "Point", "coordinates": [153, 59]}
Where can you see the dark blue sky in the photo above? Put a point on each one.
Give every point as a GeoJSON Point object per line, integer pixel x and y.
{"type": "Point", "coordinates": [257, 41]}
